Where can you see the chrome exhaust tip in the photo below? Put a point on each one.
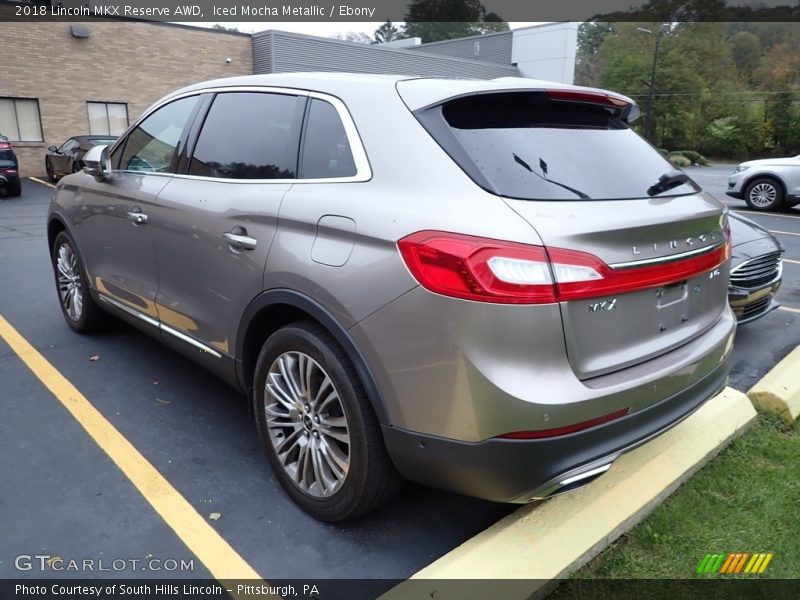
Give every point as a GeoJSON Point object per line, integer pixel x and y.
{"type": "Point", "coordinates": [572, 482]}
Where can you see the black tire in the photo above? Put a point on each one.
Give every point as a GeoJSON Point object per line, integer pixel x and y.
{"type": "Point", "coordinates": [370, 479]}
{"type": "Point", "coordinates": [91, 317]}
{"type": "Point", "coordinates": [14, 190]}
{"type": "Point", "coordinates": [764, 194]}
{"type": "Point", "coordinates": [49, 168]}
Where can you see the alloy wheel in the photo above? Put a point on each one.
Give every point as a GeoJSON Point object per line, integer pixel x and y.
{"type": "Point", "coordinates": [307, 424]}
{"type": "Point", "coordinates": [763, 195]}
{"type": "Point", "coordinates": [70, 286]}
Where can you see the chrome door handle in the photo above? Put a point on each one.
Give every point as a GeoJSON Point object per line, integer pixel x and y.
{"type": "Point", "coordinates": [240, 242]}
{"type": "Point", "coordinates": [137, 218]}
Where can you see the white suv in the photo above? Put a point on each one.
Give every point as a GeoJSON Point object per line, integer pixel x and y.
{"type": "Point", "coordinates": [768, 184]}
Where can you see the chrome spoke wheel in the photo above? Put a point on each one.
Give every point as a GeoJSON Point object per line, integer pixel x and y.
{"type": "Point", "coordinates": [307, 425]}
{"type": "Point", "coordinates": [763, 194]}
{"type": "Point", "coordinates": [70, 286]}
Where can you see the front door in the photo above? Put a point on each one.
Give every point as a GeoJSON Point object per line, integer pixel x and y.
{"type": "Point", "coordinates": [114, 231]}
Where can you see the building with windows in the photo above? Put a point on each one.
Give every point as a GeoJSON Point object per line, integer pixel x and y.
{"type": "Point", "coordinates": [66, 79]}
{"type": "Point", "coordinates": [97, 77]}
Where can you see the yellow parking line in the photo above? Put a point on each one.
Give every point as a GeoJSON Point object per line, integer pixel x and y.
{"type": "Point", "coordinates": [764, 214]}
{"type": "Point", "coordinates": [789, 309]}
{"type": "Point", "coordinates": [782, 232]}
{"type": "Point", "coordinates": [214, 552]}
{"type": "Point", "coordinates": [789, 260]}
{"type": "Point", "coordinates": [37, 180]}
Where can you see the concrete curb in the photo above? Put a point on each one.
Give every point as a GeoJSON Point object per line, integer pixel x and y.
{"type": "Point", "coordinates": [544, 541]}
{"type": "Point", "coordinates": [779, 390]}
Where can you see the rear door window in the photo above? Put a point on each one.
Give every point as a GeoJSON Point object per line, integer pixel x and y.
{"type": "Point", "coordinates": [249, 135]}
{"type": "Point", "coordinates": [526, 145]}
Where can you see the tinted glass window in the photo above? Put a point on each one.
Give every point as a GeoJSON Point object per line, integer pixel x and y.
{"type": "Point", "coordinates": [151, 145]}
{"type": "Point", "coordinates": [326, 151]}
{"type": "Point", "coordinates": [527, 146]}
{"type": "Point", "coordinates": [249, 136]}
{"type": "Point", "coordinates": [68, 145]}
{"type": "Point", "coordinates": [7, 158]}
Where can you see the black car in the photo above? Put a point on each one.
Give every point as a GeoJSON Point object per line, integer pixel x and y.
{"type": "Point", "coordinates": [9, 169]}
{"type": "Point", "coordinates": [68, 158]}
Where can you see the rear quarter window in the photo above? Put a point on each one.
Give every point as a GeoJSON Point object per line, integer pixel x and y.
{"type": "Point", "coordinates": [526, 145]}
{"type": "Point", "coordinates": [326, 150]}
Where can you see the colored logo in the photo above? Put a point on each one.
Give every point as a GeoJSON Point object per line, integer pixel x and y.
{"type": "Point", "coordinates": [733, 563]}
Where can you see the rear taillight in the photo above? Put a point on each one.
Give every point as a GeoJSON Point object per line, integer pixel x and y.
{"type": "Point", "coordinates": [488, 270]}
{"type": "Point", "coordinates": [9, 171]}
{"type": "Point", "coordinates": [475, 268]}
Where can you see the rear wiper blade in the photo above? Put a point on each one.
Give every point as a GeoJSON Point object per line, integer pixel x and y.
{"type": "Point", "coordinates": [543, 166]}
{"type": "Point", "coordinates": [666, 182]}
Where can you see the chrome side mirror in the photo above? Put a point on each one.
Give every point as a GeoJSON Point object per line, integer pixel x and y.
{"type": "Point", "coordinates": [97, 163]}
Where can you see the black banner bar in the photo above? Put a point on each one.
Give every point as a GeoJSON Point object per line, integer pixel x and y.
{"type": "Point", "coordinates": [699, 587]}
{"type": "Point", "coordinates": [398, 10]}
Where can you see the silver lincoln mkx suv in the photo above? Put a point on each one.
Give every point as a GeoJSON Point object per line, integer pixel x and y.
{"type": "Point", "coordinates": [491, 287]}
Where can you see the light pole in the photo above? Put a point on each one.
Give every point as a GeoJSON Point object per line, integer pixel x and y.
{"type": "Point", "coordinates": [648, 124]}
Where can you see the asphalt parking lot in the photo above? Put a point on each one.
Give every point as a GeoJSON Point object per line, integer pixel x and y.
{"type": "Point", "coordinates": [61, 494]}
{"type": "Point", "coordinates": [762, 343]}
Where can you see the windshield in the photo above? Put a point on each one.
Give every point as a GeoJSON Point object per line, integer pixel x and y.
{"type": "Point", "coordinates": [102, 141]}
{"type": "Point", "coordinates": [528, 146]}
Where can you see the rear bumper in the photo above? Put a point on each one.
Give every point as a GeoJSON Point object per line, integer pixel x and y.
{"type": "Point", "coordinates": [519, 471]}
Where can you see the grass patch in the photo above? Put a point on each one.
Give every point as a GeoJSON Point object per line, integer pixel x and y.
{"type": "Point", "coordinates": [746, 500]}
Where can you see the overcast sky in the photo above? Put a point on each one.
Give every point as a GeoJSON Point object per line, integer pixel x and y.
{"type": "Point", "coordinates": [324, 29]}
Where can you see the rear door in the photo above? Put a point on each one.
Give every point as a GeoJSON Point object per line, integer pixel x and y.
{"type": "Point", "coordinates": [214, 222]}
{"type": "Point", "coordinates": [599, 196]}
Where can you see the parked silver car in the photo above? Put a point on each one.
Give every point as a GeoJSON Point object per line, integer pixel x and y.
{"type": "Point", "coordinates": [756, 269]}
{"type": "Point", "coordinates": [492, 287]}
{"type": "Point", "coordinates": [767, 184]}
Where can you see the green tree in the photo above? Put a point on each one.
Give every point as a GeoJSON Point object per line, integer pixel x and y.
{"type": "Point", "coordinates": [587, 63]}
{"type": "Point", "coordinates": [223, 28]}
{"type": "Point", "coordinates": [727, 90]}
{"type": "Point", "coordinates": [388, 32]}
{"type": "Point", "coordinates": [746, 53]}
{"type": "Point", "coordinates": [436, 20]}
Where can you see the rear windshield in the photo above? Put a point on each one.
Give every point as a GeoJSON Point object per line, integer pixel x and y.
{"type": "Point", "coordinates": [526, 145]}
{"type": "Point", "coordinates": [7, 158]}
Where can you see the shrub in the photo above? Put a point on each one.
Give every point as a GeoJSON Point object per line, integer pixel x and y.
{"type": "Point", "coordinates": [664, 152]}
{"type": "Point", "coordinates": [695, 158]}
{"type": "Point", "coordinates": [678, 160]}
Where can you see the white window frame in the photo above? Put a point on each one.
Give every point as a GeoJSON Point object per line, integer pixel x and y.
{"type": "Point", "coordinates": [108, 118]}
{"type": "Point", "coordinates": [14, 101]}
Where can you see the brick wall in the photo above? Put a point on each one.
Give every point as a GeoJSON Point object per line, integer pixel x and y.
{"type": "Point", "coordinates": [122, 61]}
